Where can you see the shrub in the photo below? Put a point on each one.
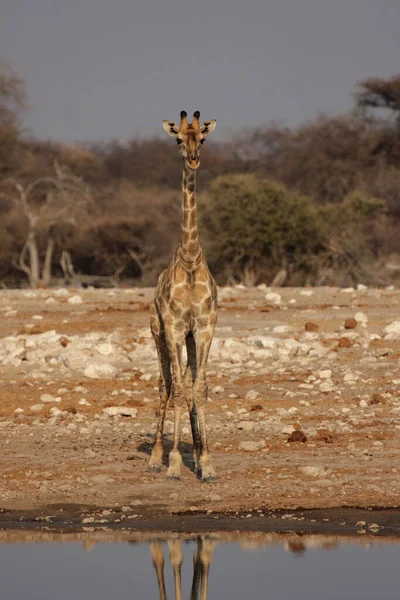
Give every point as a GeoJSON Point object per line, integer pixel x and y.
{"type": "Point", "coordinates": [255, 225]}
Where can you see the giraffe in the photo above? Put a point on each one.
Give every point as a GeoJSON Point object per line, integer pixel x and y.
{"type": "Point", "coordinates": [201, 565]}
{"type": "Point", "coordinates": [185, 312]}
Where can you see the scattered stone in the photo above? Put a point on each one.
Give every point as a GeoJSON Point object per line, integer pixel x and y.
{"type": "Point", "coordinates": [350, 323]}
{"type": "Point", "coordinates": [297, 436]}
{"type": "Point", "coordinates": [251, 395]}
{"type": "Point", "coordinates": [324, 435]}
{"type": "Point", "coordinates": [256, 407]}
{"type": "Point", "coordinates": [88, 520]}
{"type": "Point", "coordinates": [377, 399]}
{"type": "Point", "coordinates": [245, 425]}
{"type": "Point", "coordinates": [327, 385]}
{"type": "Point", "coordinates": [325, 374]}
{"type": "Point", "coordinates": [251, 446]}
{"type": "Point", "coordinates": [89, 453]}
{"type": "Point", "coordinates": [318, 471]}
{"type": "Point", "coordinates": [37, 407]}
{"type": "Point", "coordinates": [84, 402]}
{"type": "Point", "coordinates": [350, 377]}
{"type": "Point", "coordinates": [273, 298]}
{"type": "Point", "coordinates": [47, 398]}
{"type": "Point", "coordinates": [392, 331]}
{"type": "Point", "coordinates": [218, 389]}
{"type": "Point", "coordinates": [123, 411]}
{"type": "Point", "coordinates": [310, 326]}
{"type": "Point", "coordinates": [96, 370]}
{"type": "Point", "coordinates": [361, 318]}
{"type": "Point", "coordinates": [75, 300]}
{"type": "Point", "coordinates": [344, 342]}
{"type": "Point", "coordinates": [215, 497]}
{"type": "Point", "coordinates": [174, 496]}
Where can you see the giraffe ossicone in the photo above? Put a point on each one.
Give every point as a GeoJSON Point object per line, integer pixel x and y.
{"type": "Point", "coordinates": [185, 312]}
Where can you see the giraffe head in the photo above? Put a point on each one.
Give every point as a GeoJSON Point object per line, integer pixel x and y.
{"type": "Point", "coordinates": [190, 136]}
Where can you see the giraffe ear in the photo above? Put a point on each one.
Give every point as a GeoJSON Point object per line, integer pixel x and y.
{"type": "Point", "coordinates": [208, 127]}
{"type": "Point", "coordinates": [170, 128]}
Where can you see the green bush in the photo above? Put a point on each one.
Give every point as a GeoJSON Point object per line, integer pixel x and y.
{"type": "Point", "coordinates": [255, 225]}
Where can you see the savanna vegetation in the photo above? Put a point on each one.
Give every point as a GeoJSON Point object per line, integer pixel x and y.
{"type": "Point", "coordinates": [315, 204]}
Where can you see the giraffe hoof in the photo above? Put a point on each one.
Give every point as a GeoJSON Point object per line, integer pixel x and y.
{"type": "Point", "coordinates": [173, 478]}
{"type": "Point", "coordinates": [209, 478]}
{"type": "Point", "coordinates": [154, 468]}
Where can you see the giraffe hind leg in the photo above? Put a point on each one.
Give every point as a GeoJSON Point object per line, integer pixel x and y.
{"type": "Point", "coordinates": [164, 382]}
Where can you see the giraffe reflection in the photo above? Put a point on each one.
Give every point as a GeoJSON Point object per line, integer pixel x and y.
{"type": "Point", "coordinates": [201, 565]}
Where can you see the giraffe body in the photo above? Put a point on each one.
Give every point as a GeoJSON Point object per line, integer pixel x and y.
{"type": "Point", "coordinates": [185, 313]}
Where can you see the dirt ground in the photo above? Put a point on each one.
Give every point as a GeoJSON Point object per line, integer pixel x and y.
{"type": "Point", "coordinates": [337, 381]}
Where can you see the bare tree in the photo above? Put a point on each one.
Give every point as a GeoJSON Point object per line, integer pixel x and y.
{"type": "Point", "coordinates": [47, 203]}
{"type": "Point", "coordinates": [380, 93]}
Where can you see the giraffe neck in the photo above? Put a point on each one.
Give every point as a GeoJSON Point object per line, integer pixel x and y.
{"type": "Point", "coordinates": [190, 249]}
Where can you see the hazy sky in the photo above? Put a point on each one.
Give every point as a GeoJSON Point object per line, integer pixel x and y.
{"type": "Point", "coordinates": [98, 69]}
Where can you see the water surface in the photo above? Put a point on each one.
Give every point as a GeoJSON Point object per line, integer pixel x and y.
{"type": "Point", "coordinates": [273, 567]}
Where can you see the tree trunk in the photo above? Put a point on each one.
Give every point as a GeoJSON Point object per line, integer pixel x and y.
{"type": "Point", "coordinates": [33, 269]}
{"type": "Point", "coordinates": [46, 272]}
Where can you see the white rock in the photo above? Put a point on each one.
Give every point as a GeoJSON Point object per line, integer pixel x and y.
{"type": "Point", "coordinates": [325, 374]}
{"type": "Point", "coordinates": [36, 407]}
{"type": "Point", "coordinates": [245, 425]}
{"type": "Point", "coordinates": [19, 410]}
{"type": "Point", "coordinates": [251, 395]}
{"type": "Point", "coordinates": [47, 398]}
{"type": "Point", "coordinates": [105, 349]}
{"type": "Point", "coordinates": [392, 331]}
{"type": "Point", "coordinates": [318, 471]}
{"type": "Point", "coordinates": [145, 377]}
{"type": "Point", "coordinates": [96, 370]}
{"type": "Point", "coordinates": [84, 402]}
{"type": "Point", "coordinates": [363, 404]}
{"type": "Point", "coordinates": [273, 298]}
{"type": "Point", "coordinates": [350, 377]}
{"type": "Point", "coordinates": [327, 386]}
{"type": "Point", "coordinates": [251, 446]}
{"type": "Point", "coordinates": [361, 318]}
{"type": "Point", "coordinates": [306, 293]}
{"type": "Point", "coordinates": [218, 389]}
{"type": "Point", "coordinates": [124, 411]}
{"type": "Point", "coordinates": [75, 300]}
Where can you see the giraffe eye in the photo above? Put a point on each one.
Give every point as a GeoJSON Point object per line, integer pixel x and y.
{"type": "Point", "coordinates": [202, 141]}
{"type": "Point", "coordinates": [178, 141]}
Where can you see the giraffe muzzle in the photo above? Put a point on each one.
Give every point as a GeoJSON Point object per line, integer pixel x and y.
{"type": "Point", "coordinates": [193, 161]}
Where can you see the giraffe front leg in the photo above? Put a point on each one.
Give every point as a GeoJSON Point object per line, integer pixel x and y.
{"type": "Point", "coordinates": [179, 399]}
{"type": "Point", "coordinates": [164, 382]}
